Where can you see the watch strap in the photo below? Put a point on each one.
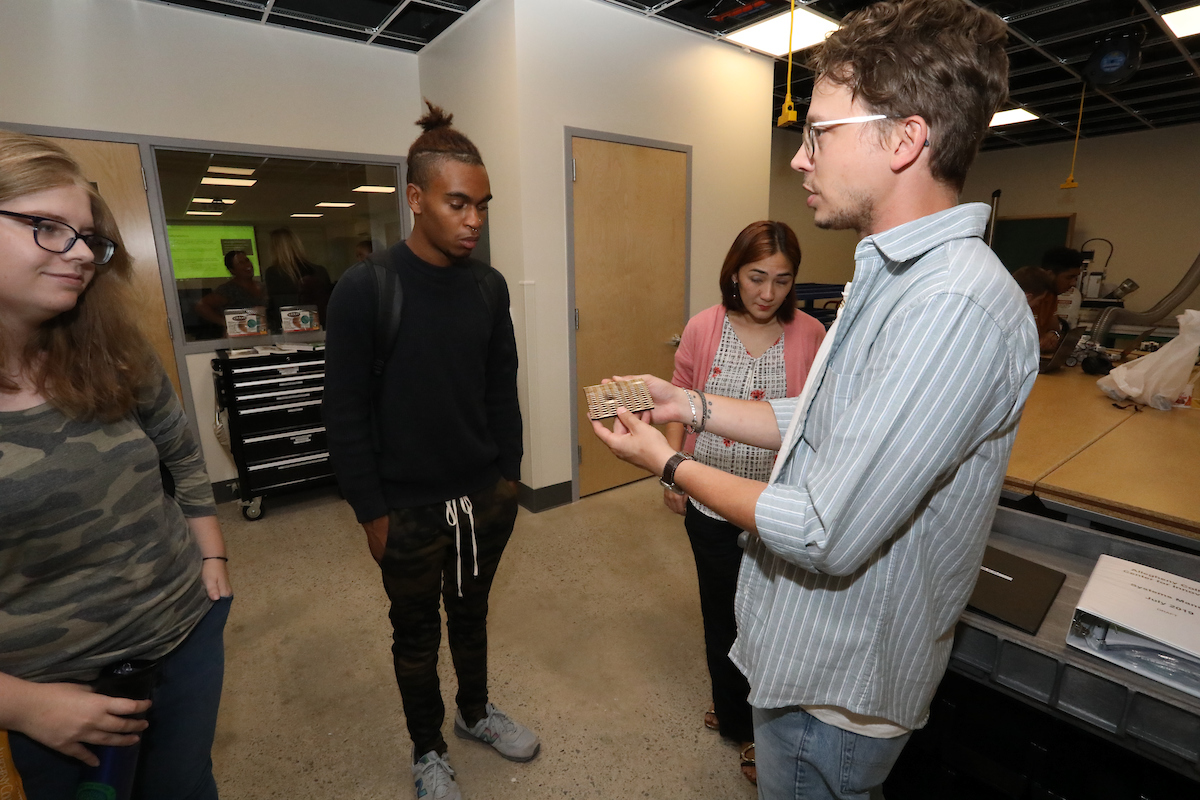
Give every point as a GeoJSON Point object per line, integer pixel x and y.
{"type": "Point", "coordinates": [668, 475]}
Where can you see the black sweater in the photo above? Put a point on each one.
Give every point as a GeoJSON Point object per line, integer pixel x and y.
{"type": "Point", "coordinates": [450, 424]}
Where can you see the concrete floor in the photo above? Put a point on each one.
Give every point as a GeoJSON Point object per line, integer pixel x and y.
{"type": "Point", "coordinates": [595, 643]}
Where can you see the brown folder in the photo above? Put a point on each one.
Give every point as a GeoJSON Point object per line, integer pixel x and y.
{"type": "Point", "coordinates": [1015, 590]}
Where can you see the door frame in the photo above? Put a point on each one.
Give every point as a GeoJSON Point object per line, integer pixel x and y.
{"type": "Point", "coordinates": [146, 145]}
{"type": "Point", "coordinates": [570, 133]}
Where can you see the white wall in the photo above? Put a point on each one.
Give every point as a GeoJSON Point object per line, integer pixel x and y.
{"type": "Point", "coordinates": [1139, 190]}
{"type": "Point", "coordinates": [825, 256]}
{"type": "Point", "coordinates": [590, 65]}
{"type": "Point", "coordinates": [129, 66]}
{"type": "Point", "coordinates": [471, 71]}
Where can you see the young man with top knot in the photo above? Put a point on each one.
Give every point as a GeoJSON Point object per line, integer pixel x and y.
{"type": "Point", "coordinates": [863, 546]}
{"type": "Point", "coordinates": [425, 435]}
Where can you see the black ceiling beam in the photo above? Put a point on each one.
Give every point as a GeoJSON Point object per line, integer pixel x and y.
{"type": "Point", "coordinates": [1030, 13]}
{"type": "Point", "coordinates": [391, 16]}
{"type": "Point", "coordinates": [1053, 59]}
{"type": "Point", "coordinates": [1166, 29]}
{"type": "Point", "coordinates": [1082, 33]}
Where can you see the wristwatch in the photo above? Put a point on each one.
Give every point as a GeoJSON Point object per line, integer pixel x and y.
{"type": "Point", "coordinates": [668, 475]}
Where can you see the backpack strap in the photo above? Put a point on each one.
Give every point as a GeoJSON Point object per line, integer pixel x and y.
{"type": "Point", "coordinates": [389, 300]}
{"type": "Point", "coordinates": [490, 283]}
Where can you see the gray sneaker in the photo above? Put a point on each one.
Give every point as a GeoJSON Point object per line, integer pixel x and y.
{"type": "Point", "coordinates": [434, 778]}
{"type": "Point", "coordinates": [511, 739]}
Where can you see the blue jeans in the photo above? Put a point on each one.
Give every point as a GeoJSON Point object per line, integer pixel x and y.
{"type": "Point", "coordinates": [174, 762]}
{"type": "Point", "coordinates": [801, 758]}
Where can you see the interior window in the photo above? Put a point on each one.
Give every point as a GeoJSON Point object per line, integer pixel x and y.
{"type": "Point", "coordinates": [257, 242]}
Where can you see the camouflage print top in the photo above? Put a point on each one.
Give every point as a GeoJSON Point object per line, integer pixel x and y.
{"type": "Point", "coordinates": [96, 563]}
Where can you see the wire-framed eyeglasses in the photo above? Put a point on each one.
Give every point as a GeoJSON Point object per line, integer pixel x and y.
{"type": "Point", "coordinates": [59, 237]}
{"type": "Point", "coordinates": [812, 130]}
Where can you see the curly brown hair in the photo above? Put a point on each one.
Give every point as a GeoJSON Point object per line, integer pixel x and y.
{"type": "Point", "coordinates": [439, 141]}
{"type": "Point", "coordinates": [757, 241]}
{"type": "Point", "coordinates": [942, 60]}
{"type": "Point", "coordinates": [1035, 281]}
{"type": "Point", "coordinates": [92, 361]}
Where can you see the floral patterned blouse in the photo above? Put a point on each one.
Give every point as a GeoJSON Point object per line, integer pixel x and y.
{"type": "Point", "coordinates": [735, 374]}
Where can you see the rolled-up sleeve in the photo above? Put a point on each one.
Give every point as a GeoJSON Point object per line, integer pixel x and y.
{"type": "Point", "coordinates": [784, 408]}
{"type": "Point", "coordinates": [924, 398]}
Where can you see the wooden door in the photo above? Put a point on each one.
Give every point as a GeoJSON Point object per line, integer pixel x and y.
{"type": "Point", "coordinates": [116, 169]}
{"type": "Point", "coordinates": [630, 218]}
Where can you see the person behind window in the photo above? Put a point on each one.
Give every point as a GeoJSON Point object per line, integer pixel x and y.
{"type": "Point", "coordinates": [754, 345]}
{"type": "Point", "coordinates": [363, 249]}
{"type": "Point", "coordinates": [242, 291]}
{"type": "Point", "coordinates": [98, 566]}
{"type": "Point", "coordinates": [293, 280]}
{"type": "Point", "coordinates": [1040, 288]}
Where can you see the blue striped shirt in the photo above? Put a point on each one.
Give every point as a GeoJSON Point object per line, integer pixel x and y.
{"type": "Point", "coordinates": [871, 538]}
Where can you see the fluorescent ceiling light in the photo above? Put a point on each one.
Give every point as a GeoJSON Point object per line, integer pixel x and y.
{"type": "Point", "coordinates": [307, 216]}
{"type": "Point", "coordinates": [1010, 117]}
{"type": "Point", "coordinates": [213, 200]}
{"type": "Point", "coordinates": [205, 213]}
{"type": "Point", "coordinates": [334, 205]}
{"type": "Point", "coordinates": [228, 181]}
{"type": "Point", "coordinates": [231, 170]}
{"type": "Point", "coordinates": [376, 189]}
{"type": "Point", "coordinates": [1184, 23]}
{"type": "Point", "coordinates": [771, 35]}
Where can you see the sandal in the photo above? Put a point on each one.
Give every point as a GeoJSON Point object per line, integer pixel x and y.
{"type": "Point", "coordinates": [710, 719]}
{"type": "Point", "coordinates": [749, 768]}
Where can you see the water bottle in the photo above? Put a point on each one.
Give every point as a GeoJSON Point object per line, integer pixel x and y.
{"type": "Point", "coordinates": [113, 778]}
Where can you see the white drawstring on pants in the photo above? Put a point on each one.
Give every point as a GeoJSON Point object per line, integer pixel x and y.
{"type": "Point", "coordinates": [452, 519]}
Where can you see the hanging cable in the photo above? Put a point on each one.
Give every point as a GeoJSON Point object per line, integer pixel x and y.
{"type": "Point", "coordinates": [1070, 182]}
{"type": "Point", "coordinates": [787, 114]}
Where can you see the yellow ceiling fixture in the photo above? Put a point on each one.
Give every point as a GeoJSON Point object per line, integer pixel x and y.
{"type": "Point", "coordinates": [787, 114]}
{"type": "Point", "coordinates": [1070, 183]}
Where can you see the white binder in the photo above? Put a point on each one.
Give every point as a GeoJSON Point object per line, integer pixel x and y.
{"type": "Point", "coordinates": [1142, 619]}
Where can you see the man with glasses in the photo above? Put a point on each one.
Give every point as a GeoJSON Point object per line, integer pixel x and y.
{"type": "Point", "coordinates": [864, 546]}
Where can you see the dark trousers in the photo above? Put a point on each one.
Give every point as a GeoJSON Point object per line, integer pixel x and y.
{"type": "Point", "coordinates": [718, 559]}
{"type": "Point", "coordinates": [420, 565]}
{"type": "Point", "coordinates": [174, 762]}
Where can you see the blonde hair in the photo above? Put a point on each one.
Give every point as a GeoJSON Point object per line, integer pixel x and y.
{"type": "Point", "coordinates": [288, 252]}
{"type": "Point", "coordinates": [89, 362]}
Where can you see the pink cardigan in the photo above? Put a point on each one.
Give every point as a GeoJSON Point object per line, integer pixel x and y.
{"type": "Point", "coordinates": [698, 348]}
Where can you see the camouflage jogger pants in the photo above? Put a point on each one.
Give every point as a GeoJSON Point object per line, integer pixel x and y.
{"type": "Point", "coordinates": [420, 564]}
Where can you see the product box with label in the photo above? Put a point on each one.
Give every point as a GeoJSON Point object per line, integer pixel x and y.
{"type": "Point", "coordinates": [1142, 619]}
{"type": "Point", "coordinates": [245, 322]}
{"type": "Point", "coordinates": [299, 318]}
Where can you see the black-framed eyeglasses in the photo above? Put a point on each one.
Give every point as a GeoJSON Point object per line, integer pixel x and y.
{"type": "Point", "coordinates": [59, 237]}
{"type": "Point", "coordinates": [812, 130]}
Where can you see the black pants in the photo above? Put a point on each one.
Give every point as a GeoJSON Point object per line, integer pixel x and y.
{"type": "Point", "coordinates": [420, 565]}
{"type": "Point", "coordinates": [718, 559]}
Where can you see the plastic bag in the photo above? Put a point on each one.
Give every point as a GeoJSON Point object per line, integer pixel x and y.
{"type": "Point", "coordinates": [1157, 379]}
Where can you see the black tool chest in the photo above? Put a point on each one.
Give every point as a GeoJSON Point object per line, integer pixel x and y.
{"type": "Point", "coordinates": [273, 408]}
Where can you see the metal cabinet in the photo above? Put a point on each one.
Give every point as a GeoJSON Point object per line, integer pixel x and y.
{"type": "Point", "coordinates": [271, 405]}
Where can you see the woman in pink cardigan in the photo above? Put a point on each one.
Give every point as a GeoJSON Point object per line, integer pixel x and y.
{"type": "Point", "coordinates": [755, 345]}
